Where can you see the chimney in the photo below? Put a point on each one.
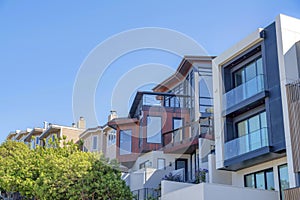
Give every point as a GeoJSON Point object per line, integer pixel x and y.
{"type": "Point", "coordinates": [113, 115]}
{"type": "Point", "coordinates": [81, 123]}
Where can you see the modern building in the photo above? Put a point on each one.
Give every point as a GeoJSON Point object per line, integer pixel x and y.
{"type": "Point", "coordinates": [251, 107]}
{"type": "Point", "coordinates": [166, 126]}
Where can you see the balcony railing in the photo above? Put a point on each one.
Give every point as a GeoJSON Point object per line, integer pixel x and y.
{"type": "Point", "coordinates": [243, 91]}
{"type": "Point", "coordinates": [246, 143]}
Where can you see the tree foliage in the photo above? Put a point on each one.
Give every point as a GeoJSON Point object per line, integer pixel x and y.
{"type": "Point", "coordinates": [59, 172]}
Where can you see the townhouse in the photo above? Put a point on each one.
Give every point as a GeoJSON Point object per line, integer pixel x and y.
{"type": "Point", "coordinates": [165, 127]}
{"type": "Point", "coordinates": [101, 139]}
{"type": "Point", "coordinates": [256, 119]}
{"type": "Point", "coordinates": [71, 133]}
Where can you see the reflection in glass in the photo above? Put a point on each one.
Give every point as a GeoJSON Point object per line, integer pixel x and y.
{"type": "Point", "coordinates": [125, 142]}
{"type": "Point", "coordinates": [283, 179]}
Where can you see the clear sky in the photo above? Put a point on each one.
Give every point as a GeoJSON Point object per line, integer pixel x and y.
{"type": "Point", "coordinates": [43, 44]}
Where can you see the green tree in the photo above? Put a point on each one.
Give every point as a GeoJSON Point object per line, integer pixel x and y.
{"type": "Point", "coordinates": [59, 172]}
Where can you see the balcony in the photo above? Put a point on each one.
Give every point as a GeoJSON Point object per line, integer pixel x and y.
{"type": "Point", "coordinates": [144, 100]}
{"type": "Point", "coordinates": [247, 143]}
{"type": "Point", "coordinates": [243, 92]}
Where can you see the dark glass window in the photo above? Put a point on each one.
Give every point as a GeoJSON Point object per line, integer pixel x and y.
{"type": "Point", "coordinates": [261, 180]}
{"type": "Point", "coordinates": [283, 179]}
{"type": "Point", "coordinates": [248, 72]}
{"type": "Point", "coordinates": [125, 142]}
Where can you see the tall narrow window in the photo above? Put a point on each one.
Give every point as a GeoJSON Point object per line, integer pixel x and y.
{"type": "Point", "coordinates": [32, 144]}
{"type": "Point", "coordinates": [37, 140]}
{"type": "Point", "coordinates": [283, 179]}
{"type": "Point", "coordinates": [95, 142]}
{"type": "Point", "coordinates": [154, 129]}
{"type": "Point", "coordinates": [178, 134]}
{"type": "Point", "coordinates": [161, 163]}
{"type": "Point", "coordinates": [125, 142]}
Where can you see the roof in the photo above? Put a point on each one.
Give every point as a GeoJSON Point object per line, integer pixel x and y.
{"type": "Point", "coordinates": [139, 96]}
{"type": "Point", "coordinates": [54, 128]}
{"type": "Point", "coordinates": [34, 132]}
{"type": "Point", "coordinates": [91, 130]}
{"type": "Point", "coordinates": [184, 67]}
{"type": "Point", "coordinates": [22, 133]}
{"type": "Point", "coordinates": [120, 121]}
{"type": "Point", "coordinates": [11, 134]}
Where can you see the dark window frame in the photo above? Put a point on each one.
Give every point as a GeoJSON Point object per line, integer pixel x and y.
{"type": "Point", "coordinates": [161, 138]}
{"type": "Point", "coordinates": [235, 123]}
{"type": "Point", "coordinates": [180, 128]}
{"type": "Point", "coordinates": [265, 177]}
{"type": "Point", "coordinates": [278, 168]}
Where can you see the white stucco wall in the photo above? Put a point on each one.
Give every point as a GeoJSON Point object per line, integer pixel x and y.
{"type": "Point", "coordinates": [232, 52]}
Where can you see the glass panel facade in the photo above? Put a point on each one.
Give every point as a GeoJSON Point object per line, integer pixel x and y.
{"type": "Point", "coordinates": [247, 81]}
{"type": "Point", "coordinates": [252, 134]}
{"type": "Point", "coordinates": [154, 129]}
{"type": "Point", "coordinates": [283, 179]}
{"type": "Point", "coordinates": [125, 142]}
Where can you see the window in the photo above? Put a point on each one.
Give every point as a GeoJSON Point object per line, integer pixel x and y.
{"type": "Point", "coordinates": [141, 136]}
{"type": "Point", "coordinates": [125, 142]}
{"type": "Point", "coordinates": [248, 72]}
{"type": "Point", "coordinates": [154, 129]}
{"type": "Point", "coordinates": [95, 142]}
{"type": "Point", "coordinates": [111, 137]}
{"type": "Point", "coordinates": [32, 144]}
{"type": "Point", "coordinates": [283, 179]}
{"type": "Point", "coordinates": [145, 164]}
{"type": "Point", "coordinates": [178, 134]}
{"type": "Point", "coordinates": [37, 140]}
{"type": "Point", "coordinates": [261, 180]}
{"type": "Point", "coordinates": [253, 132]}
{"type": "Point", "coordinates": [161, 163]}
{"type": "Point", "coordinates": [53, 138]}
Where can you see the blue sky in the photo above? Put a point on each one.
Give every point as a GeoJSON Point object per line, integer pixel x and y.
{"type": "Point", "coordinates": [43, 43]}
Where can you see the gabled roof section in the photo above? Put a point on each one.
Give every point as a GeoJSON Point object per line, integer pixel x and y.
{"type": "Point", "coordinates": [21, 134]}
{"type": "Point", "coordinates": [11, 135]}
{"type": "Point", "coordinates": [34, 132]}
{"type": "Point", "coordinates": [184, 67]}
{"type": "Point", "coordinates": [120, 121]}
{"type": "Point", "coordinates": [91, 130]}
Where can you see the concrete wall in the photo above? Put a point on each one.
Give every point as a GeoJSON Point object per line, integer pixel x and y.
{"type": "Point", "coordinates": [218, 176]}
{"type": "Point", "coordinates": [206, 191]}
